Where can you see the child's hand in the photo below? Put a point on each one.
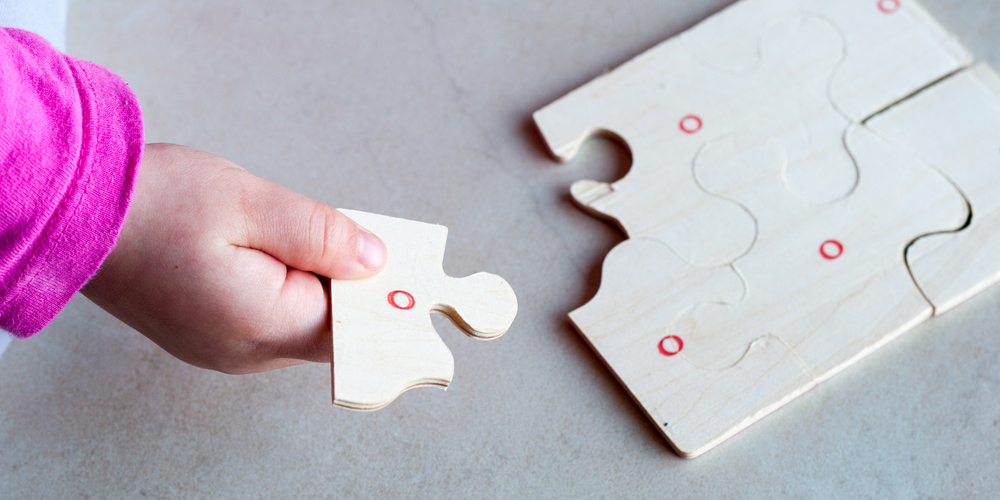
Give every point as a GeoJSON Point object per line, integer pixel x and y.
{"type": "Point", "coordinates": [215, 264]}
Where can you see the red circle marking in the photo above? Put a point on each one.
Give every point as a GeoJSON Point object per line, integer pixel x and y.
{"type": "Point", "coordinates": [392, 300]}
{"type": "Point", "coordinates": [690, 124]}
{"type": "Point", "coordinates": [831, 255]}
{"type": "Point", "coordinates": [888, 6]}
{"type": "Point", "coordinates": [664, 351]}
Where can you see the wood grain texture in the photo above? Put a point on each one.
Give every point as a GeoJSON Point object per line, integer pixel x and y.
{"type": "Point", "coordinates": [769, 226]}
{"type": "Point", "coordinates": [955, 126]}
{"type": "Point", "coordinates": [383, 339]}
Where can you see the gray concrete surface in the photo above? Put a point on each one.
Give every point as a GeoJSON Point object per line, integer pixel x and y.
{"type": "Point", "coordinates": [422, 110]}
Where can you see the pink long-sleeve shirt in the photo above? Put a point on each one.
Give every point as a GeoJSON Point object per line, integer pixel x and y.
{"type": "Point", "coordinates": [71, 142]}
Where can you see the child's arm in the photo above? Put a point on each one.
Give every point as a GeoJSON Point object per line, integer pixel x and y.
{"type": "Point", "coordinates": [213, 263]}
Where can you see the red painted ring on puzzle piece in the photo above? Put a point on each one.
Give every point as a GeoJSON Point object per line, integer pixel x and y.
{"type": "Point", "coordinates": [889, 6]}
{"type": "Point", "coordinates": [690, 130]}
{"type": "Point", "coordinates": [828, 256]}
{"type": "Point", "coordinates": [664, 351]}
{"type": "Point", "coordinates": [392, 300]}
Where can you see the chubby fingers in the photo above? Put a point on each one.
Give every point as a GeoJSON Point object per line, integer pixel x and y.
{"type": "Point", "coordinates": [308, 235]}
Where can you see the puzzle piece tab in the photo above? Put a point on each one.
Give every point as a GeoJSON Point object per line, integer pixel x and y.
{"type": "Point", "coordinates": [383, 339]}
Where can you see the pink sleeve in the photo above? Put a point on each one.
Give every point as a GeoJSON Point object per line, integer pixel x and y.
{"type": "Point", "coordinates": [70, 146]}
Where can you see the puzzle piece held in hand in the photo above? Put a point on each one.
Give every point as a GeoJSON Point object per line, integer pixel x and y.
{"type": "Point", "coordinates": [383, 339]}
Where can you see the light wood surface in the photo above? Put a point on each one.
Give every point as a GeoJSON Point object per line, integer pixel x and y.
{"type": "Point", "coordinates": [383, 339]}
{"type": "Point", "coordinates": [750, 159]}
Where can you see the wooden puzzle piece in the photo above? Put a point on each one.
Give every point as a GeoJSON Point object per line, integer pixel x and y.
{"type": "Point", "coordinates": [383, 339]}
{"type": "Point", "coordinates": [804, 85]}
{"type": "Point", "coordinates": [955, 126]}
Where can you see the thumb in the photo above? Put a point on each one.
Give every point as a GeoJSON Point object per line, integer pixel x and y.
{"type": "Point", "coordinates": [308, 235]}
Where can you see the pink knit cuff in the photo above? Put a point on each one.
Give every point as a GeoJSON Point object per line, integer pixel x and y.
{"type": "Point", "coordinates": [86, 211]}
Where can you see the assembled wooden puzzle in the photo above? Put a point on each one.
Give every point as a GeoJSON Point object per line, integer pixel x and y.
{"type": "Point", "coordinates": [810, 180]}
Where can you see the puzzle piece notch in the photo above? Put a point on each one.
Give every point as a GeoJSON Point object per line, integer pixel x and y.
{"type": "Point", "coordinates": [955, 126]}
{"type": "Point", "coordinates": [383, 340]}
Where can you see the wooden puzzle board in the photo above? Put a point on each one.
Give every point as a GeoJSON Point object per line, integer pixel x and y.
{"type": "Point", "coordinates": [790, 206]}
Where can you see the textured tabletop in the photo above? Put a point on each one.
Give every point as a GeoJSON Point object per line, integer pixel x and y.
{"type": "Point", "coordinates": [422, 110]}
